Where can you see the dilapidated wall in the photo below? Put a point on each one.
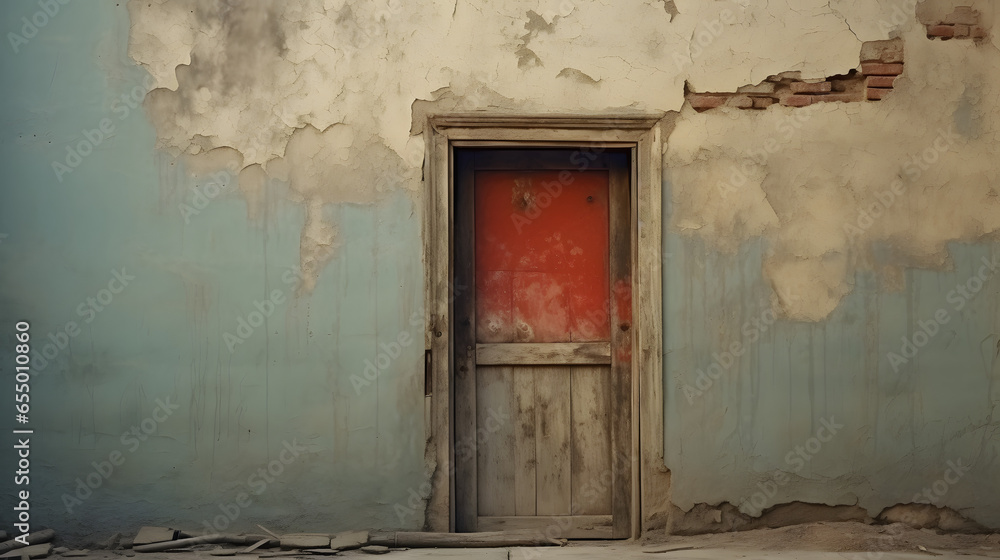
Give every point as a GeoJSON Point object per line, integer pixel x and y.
{"type": "Point", "coordinates": [267, 190]}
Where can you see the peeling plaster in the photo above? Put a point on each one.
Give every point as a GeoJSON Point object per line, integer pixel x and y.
{"type": "Point", "coordinates": [823, 216]}
{"type": "Point", "coordinates": [330, 103]}
{"type": "Point", "coordinates": [324, 101]}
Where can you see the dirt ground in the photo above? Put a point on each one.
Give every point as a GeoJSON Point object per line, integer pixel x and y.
{"type": "Point", "coordinates": [812, 541]}
{"type": "Point", "coordinates": [841, 537]}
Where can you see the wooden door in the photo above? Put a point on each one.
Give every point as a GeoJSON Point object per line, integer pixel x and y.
{"type": "Point", "coordinates": [543, 342]}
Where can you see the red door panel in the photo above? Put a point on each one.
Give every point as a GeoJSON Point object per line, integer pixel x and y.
{"type": "Point", "coordinates": [541, 246]}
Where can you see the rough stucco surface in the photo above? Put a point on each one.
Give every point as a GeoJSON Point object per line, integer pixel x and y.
{"type": "Point", "coordinates": [320, 97]}
{"type": "Point", "coordinates": [329, 95]}
{"type": "Point", "coordinates": [312, 107]}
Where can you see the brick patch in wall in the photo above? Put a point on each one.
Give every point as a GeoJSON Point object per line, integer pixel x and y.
{"type": "Point", "coordinates": [811, 87]}
{"type": "Point", "coordinates": [876, 94]}
{"type": "Point", "coordinates": [881, 62]}
{"type": "Point", "coordinates": [881, 69]}
{"type": "Point", "coordinates": [879, 81]}
{"type": "Point", "coordinates": [962, 23]}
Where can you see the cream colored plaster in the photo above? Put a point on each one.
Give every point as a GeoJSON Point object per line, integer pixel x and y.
{"type": "Point", "coordinates": [322, 94]}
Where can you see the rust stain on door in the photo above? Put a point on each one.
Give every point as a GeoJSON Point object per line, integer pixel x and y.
{"type": "Point", "coordinates": [542, 271]}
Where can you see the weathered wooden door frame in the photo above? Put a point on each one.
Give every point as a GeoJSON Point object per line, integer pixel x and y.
{"type": "Point", "coordinates": [641, 135]}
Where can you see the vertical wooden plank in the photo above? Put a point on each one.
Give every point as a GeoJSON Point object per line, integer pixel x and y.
{"type": "Point", "coordinates": [649, 331]}
{"type": "Point", "coordinates": [591, 440]}
{"type": "Point", "coordinates": [524, 441]}
{"type": "Point", "coordinates": [441, 504]}
{"type": "Point", "coordinates": [495, 438]}
{"type": "Point", "coordinates": [621, 346]}
{"type": "Point", "coordinates": [553, 429]}
{"type": "Point", "coordinates": [466, 491]}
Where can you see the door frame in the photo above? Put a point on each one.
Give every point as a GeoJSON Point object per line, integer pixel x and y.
{"type": "Point", "coordinates": [641, 135]}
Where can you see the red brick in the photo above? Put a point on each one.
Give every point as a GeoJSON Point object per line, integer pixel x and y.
{"type": "Point", "coordinates": [762, 102]}
{"type": "Point", "coordinates": [842, 97]}
{"type": "Point", "coordinates": [880, 81]}
{"type": "Point", "coordinates": [742, 102]}
{"type": "Point", "coordinates": [703, 102]}
{"type": "Point", "coordinates": [880, 69]}
{"type": "Point", "coordinates": [963, 15]}
{"type": "Point", "coordinates": [882, 51]}
{"type": "Point", "coordinates": [874, 94]}
{"type": "Point", "coordinates": [807, 87]}
{"type": "Point", "coordinates": [941, 31]}
{"type": "Point", "coordinates": [798, 100]}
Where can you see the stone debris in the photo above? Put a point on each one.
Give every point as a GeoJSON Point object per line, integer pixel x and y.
{"type": "Point", "coordinates": [305, 540]}
{"type": "Point", "coordinates": [349, 540]}
{"type": "Point", "coordinates": [375, 549]}
{"type": "Point", "coordinates": [30, 551]}
{"type": "Point", "coordinates": [150, 535]}
{"type": "Point", "coordinates": [38, 537]}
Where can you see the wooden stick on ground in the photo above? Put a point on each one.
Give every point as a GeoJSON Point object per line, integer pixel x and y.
{"type": "Point", "coordinates": [463, 540]}
{"type": "Point", "coordinates": [205, 539]}
{"type": "Point", "coordinates": [43, 536]}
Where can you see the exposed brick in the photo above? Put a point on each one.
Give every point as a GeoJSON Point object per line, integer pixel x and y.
{"type": "Point", "coordinates": [977, 32]}
{"type": "Point", "coordinates": [798, 100]}
{"type": "Point", "coordinates": [882, 51]}
{"type": "Point", "coordinates": [842, 97]}
{"type": "Point", "coordinates": [764, 87]}
{"type": "Point", "coordinates": [961, 31]}
{"type": "Point", "coordinates": [941, 31]}
{"type": "Point", "coordinates": [807, 87]}
{"type": "Point", "coordinates": [880, 81]}
{"type": "Point", "coordinates": [762, 102]}
{"type": "Point", "coordinates": [703, 102]}
{"type": "Point", "coordinates": [742, 102]}
{"type": "Point", "coordinates": [875, 94]}
{"type": "Point", "coordinates": [880, 69]}
{"type": "Point", "coordinates": [963, 15]}
{"type": "Point", "coordinates": [841, 85]}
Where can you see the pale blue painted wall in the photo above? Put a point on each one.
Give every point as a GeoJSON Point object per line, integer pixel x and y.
{"type": "Point", "coordinates": [900, 428]}
{"type": "Point", "coordinates": [163, 335]}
